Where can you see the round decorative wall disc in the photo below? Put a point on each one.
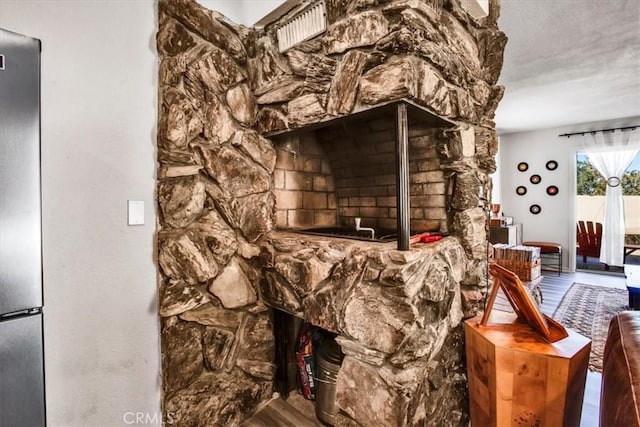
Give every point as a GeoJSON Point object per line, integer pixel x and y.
{"type": "Point", "coordinates": [521, 190]}
{"type": "Point", "coordinates": [552, 165]}
{"type": "Point", "coordinates": [523, 166]}
{"type": "Point", "coordinates": [535, 209]}
{"type": "Point", "coordinates": [552, 190]}
{"type": "Point", "coordinates": [535, 179]}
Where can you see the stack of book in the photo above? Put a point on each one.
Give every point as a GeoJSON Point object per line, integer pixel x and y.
{"type": "Point", "coordinates": [516, 252]}
{"type": "Point", "coordinates": [522, 260]}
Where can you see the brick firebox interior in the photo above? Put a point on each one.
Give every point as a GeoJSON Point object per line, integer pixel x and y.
{"type": "Point", "coordinates": [331, 176]}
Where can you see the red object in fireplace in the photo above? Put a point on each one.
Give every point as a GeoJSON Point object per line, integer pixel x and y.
{"type": "Point", "coordinates": [306, 362]}
{"type": "Point", "coordinates": [426, 237]}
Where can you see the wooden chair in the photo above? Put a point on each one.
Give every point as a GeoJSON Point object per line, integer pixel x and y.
{"type": "Point", "coordinates": [548, 249]}
{"type": "Point", "coordinates": [589, 239]}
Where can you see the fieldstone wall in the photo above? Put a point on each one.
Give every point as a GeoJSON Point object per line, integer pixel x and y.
{"type": "Point", "coordinates": [429, 51]}
{"type": "Point", "coordinates": [223, 90]}
{"type": "Point", "coordinates": [216, 200]}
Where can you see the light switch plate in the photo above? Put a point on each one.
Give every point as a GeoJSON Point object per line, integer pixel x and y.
{"type": "Point", "coordinates": [135, 212]}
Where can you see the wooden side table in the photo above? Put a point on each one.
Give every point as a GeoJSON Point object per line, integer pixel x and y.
{"type": "Point", "coordinates": [517, 378]}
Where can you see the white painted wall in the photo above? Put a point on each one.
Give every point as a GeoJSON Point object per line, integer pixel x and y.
{"type": "Point", "coordinates": [98, 149]}
{"type": "Point", "coordinates": [557, 221]}
{"type": "Point", "coordinates": [496, 179]}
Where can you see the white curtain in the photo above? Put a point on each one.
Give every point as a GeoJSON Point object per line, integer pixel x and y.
{"type": "Point", "coordinates": [611, 153]}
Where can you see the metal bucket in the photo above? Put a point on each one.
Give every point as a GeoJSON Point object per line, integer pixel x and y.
{"type": "Point", "coordinates": [329, 358]}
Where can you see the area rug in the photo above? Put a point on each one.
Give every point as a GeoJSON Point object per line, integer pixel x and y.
{"type": "Point", "coordinates": [588, 309]}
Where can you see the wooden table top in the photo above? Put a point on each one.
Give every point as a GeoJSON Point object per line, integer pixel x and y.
{"type": "Point", "coordinates": [504, 330]}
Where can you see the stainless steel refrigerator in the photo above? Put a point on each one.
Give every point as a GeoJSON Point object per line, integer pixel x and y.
{"type": "Point", "coordinates": [21, 297]}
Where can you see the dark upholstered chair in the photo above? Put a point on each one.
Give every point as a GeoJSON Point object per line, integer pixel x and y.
{"type": "Point", "coordinates": [620, 397]}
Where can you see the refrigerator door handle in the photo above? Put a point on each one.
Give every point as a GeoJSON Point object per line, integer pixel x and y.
{"type": "Point", "coordinates": [21, 313]}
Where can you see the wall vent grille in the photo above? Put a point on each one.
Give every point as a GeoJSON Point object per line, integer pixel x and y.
{"type": "Point", "coordinates": [307, 23]}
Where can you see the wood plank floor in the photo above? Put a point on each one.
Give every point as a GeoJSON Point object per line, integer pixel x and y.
{"type": "Point", "coordinates": [294, 412]}
{"type": "Point", "coordinates": [553, 289]}
{"type": "Point", "coordinates": [297, 412]}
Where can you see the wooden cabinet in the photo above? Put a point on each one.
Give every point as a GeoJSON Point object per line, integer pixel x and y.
{"type": "Point", "coordinates": [516, 378]}
{"type": "Point", "coordinates": [511, 234]}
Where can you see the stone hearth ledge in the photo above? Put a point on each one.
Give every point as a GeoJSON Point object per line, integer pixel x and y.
{"type": "Point", "coordinates": [393, 311]}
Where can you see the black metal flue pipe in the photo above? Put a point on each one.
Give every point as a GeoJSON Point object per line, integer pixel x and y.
{"type": "Point", "coordinates": [402, 176]}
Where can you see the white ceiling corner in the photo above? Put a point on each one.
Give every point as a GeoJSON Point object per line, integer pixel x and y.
{"type": "Point", "coordinates": [568, 62]}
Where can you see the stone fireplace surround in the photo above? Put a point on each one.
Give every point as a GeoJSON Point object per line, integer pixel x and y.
{"type": "Point", "coordinates": [231, 185]}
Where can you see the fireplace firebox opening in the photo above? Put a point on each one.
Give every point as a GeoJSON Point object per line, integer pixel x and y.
{"type": "Point", "coordinates": [374, 175]}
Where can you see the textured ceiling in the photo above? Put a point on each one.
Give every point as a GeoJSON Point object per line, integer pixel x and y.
{"type": "Point", "coordinates": [568, 62]}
